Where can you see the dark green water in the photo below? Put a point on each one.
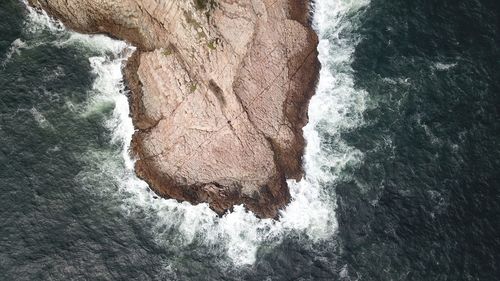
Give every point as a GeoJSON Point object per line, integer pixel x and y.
{"type": "Point", "coordinates": [52, 229]}
{"type": "Point", "coordinates": [425, 205]}
{"type": "Point", "coordinates": [412, 96]}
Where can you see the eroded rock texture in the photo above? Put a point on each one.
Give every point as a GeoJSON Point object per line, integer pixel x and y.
{"type": "Point", "coordinates": [219, 92]}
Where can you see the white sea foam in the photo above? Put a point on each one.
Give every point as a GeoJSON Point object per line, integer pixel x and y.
{"type": "Point", "coordinates": [40, 119]}
{"type": "Point", "coordinates": [444, 66]}
{"type": "Point", "coordinates": [15, 49]}
{"type": "Point", "coordinates": [38, 20]}
{"type": "Point", "coordinates": [336, 107]}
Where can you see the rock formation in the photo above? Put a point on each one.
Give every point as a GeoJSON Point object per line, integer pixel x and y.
{"type": "Point", "coordinates": [219, 92]}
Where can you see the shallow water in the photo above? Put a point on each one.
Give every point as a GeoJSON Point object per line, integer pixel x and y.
{"type": "Point", "coordinates": [402, 158]}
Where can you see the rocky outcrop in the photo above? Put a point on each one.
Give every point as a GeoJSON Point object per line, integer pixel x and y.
{"type": "Point", "coordinates": [219, 92]}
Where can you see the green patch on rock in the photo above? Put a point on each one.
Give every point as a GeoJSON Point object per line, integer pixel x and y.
{"type": "Point", "coordinates": [167, 52]}
{"type": "Point", "coordinates": [204, 4]}
{"type": "Point", "coordinates": [195, 25]}
{"type": "Point", "coordinates": [193, 87]}
{"type": "Point", "coordinates": [211, 45]}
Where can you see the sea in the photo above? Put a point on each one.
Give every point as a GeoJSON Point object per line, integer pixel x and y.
{"type": "Point", "coordinates": [402, 160]}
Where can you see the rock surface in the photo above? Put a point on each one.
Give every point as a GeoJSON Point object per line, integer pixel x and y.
{"type": "Point", "coordinates": [219, 92]}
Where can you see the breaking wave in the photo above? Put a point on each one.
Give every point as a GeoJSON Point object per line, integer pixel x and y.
{"type": "Point", "coordinates": [336, 107]}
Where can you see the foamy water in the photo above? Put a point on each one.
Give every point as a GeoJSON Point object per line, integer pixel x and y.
{"type": "Point", "coordinates": [15, 49]}
{"type": "Point", "coordinates": [336, 107]}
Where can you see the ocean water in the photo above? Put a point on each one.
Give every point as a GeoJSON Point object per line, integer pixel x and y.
{"type": "Point", "coordinates": [402, 160]}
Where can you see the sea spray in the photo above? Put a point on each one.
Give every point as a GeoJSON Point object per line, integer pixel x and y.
{"type": "Point", "coordinates": [337, 107]}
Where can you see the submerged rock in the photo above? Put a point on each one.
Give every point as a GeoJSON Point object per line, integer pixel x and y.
{"type": "Point", "coordinates": [219, 93]}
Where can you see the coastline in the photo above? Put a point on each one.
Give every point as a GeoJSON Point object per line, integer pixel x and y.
{"type": "Point", "coordinates": [269, 198]}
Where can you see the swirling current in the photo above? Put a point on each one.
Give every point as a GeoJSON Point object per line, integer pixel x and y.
{"type": "Point", "coordinates": [402, 159]}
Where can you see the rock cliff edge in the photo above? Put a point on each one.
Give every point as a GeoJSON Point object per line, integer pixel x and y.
{"type": "Point", "coordinates": [218, 93]}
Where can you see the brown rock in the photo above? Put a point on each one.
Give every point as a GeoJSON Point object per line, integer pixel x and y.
{"type": "Point", "coordinates": [219, 93]}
